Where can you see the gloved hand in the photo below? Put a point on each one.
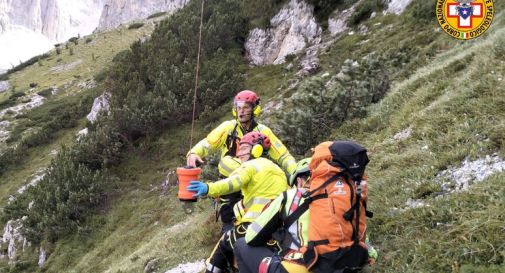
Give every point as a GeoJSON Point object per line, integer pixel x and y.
{"type": "Point", "coordinates": [199, 187]}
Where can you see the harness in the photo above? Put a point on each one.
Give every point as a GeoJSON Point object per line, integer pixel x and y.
{"type": "Point", "coordinates": [232, 139]}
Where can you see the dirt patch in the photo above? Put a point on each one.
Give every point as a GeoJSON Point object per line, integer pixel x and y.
{"type": "Point", "coordinates": [65, 67]}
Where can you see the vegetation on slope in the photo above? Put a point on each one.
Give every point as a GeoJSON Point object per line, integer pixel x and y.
{"type": "Point", "coordinates": [455, 233]}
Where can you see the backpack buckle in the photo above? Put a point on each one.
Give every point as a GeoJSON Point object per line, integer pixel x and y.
{"type": "Point", "coordinates": [359, 189]}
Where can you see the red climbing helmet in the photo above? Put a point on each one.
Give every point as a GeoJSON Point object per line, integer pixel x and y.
{"type": "Point", "coordinates": [250, 97]}
{"type": "Point", "coordinates": [247, 96]}
{"type": "Point", "coordinates": [254, 138]}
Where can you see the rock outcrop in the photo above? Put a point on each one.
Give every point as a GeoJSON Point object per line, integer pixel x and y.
{"type": "Point", "coordinates": [56, 19]}
{"type": "Point", "coordinates": [101, 103]}
{"type": "Point", "coordinates": [116, 12]}
{"type": "Point", "coordinates": [4, 86]}
{"type": "Point", "coordinates": [29, 28]}
{"type": "Point", "coordinates": [338, 22]}
{"type": "Point", "coordinates": [12, 238]}
{"type": "Point", "coordinates": [4, 132]}
{"type": "Point", "coordinates": [33, 101]}
{"type": "Point", "coordinates": [293, 28]}
{"type": "Point", "coordinates": [397, 6]}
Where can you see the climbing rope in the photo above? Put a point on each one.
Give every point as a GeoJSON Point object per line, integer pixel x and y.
{"type": "Point", "coordinates": [196, 76]}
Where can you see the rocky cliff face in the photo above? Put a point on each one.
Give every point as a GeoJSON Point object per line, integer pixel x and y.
{"type": "Point", "coordinates": [31, 27]}
{"type": "Point", "coordinates": [116, 12]}
{"type": "Point", "coordinates": [292, 29]}
{"type": "Point", "coordinates": [56, 19]}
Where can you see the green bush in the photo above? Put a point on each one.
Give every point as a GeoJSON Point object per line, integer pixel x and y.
{"type": "Point", "coordinates": [61, 200]}
{"type": "Point", "coordinates": [101, 75]}
{"type": "Point", "coordinates": [7, 103]}
{"type": "Point", "coordinates": [74, 40]}
{"type": "Point", "coordinates": [33, 84]}
{"type": "Point", "coordinates": [46, 92]}
{"type": "Point", "coordinates": [121, 56]}
{"type": "Point", "coordinates": [135, 25]}
{"type": "Point", "coordinates": [88, 40]}
{"type": "Point", "coordinates": [157, 14]}
{"type": "Point", "coordinates": [4, 77]}
{"type": "Point", "coordinates": [16, 95]}
{"type": "Point", "coordinates": [153, 82]}
{"type": "Point", "coordinates": [422, 10]}
{"type": "Point", "coordinates": [28, 63]}
{"type": "Point", "coordinates": [318, 108]}
{"type": "Point", "coordinates": [47, 120]}
{"type": "Point", "coordinates": [323, 9]}
{"type": "Point", "coordinates": [258, 13]}
{"type": "Point", "coordinates": [364, 10]}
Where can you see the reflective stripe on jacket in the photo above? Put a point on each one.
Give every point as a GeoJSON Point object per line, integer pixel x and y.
{"type": "Point", "coordinates": [216, 140]}
{"type": "Point", "coordinates": [261, 230]}
{"type": "Point", "coordinates": [260, 181]}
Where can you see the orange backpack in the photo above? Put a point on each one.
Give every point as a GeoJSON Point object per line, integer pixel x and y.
{"type": "Point", "coordinates": [337, 204]}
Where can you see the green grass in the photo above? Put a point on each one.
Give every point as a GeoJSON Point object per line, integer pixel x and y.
{"type": "Point", "coordinates": [444, 100]}
{"type": "Point", "coordinates": [135, 224]}
{"type": "Point", "coordinates": [96, 56]}
{"type": "Point", "coordinates": [455, 113]}
{"type": "Point", "coordinates": [38, 158]}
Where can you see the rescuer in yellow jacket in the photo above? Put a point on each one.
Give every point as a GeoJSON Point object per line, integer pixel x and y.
{"type": "Point", "coordinates": [260, 181]}
{"type": "Point", "coordinates": [251, 251]}
{"type": "Point", "coordinates": [227, 135]}
{"type": "Point", "coordinates": [225, 139]}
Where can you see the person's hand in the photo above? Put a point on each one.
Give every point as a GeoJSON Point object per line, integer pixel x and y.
{"type": "Point", "coordinates": [194, 159]}
{"type": "Point", "coordinates": [199, 187]}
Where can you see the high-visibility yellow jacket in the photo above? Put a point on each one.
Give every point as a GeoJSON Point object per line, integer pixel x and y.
{"type": "Point", "coordinates": [220, 139]}
{"type": "Point", "coordinates": [260, 181]}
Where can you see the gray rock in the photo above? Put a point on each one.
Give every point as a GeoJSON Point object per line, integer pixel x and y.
{"type": "Point", "coordinates": [292, 29]}
{"type": "Point", "coordinates": [57, 20]}
{"type": "Point", "coordinates": [35, 101]}
{"type": "Point", "coordinates": [4, 86]}
{"type": "Point", "coordinates": [88, 84]}
{"type": "Point", "coordinates": [194, 267]}
{"type": "Point", "coordinates": [4, 133]}
{"type": "Point", "coordinates": [65, 67]}
{"type": "Point", "coordinates": [82, 132]}
{"type": "Point", "coordinates": [456, 179]}
{"type": "Point", "coordinates": [116, 12]}
{"type": "Point", "coordinates": [42, 256]}
{"type": "Point", "coordinates": [12, 238]}
{"type": "Point", "coordinates": [403, 134]}
{"type": "Point", "coordinates": [338, 22]}
{"type": "Point", "coordinates": [151, 266]}
{"type": "Point", "coordinates": [397, 6]}
{"type": "Point", "coordinates": [101, 103]}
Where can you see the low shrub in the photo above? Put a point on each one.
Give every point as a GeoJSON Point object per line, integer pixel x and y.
{"type": "Point", "coordinates": [157, 14]}
{"type": "Point", "coordinates": [135, 25]}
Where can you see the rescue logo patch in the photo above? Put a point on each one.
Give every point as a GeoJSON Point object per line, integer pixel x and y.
{"type": "Point", "coordinates": [465, 19]}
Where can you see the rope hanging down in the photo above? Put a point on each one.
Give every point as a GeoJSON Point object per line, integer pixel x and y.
{"type": "Point", "coordinates": [196, 76]}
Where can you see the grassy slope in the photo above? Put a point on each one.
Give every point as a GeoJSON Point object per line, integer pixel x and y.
{"type": "Point", "coordinates": [135, 227]}
{"type": "Point", "coordinates": [96, 56]}
{"type": "Point", "coordinates": [103, 47]}
{"type": "Point", "coordinates": [454, 107]}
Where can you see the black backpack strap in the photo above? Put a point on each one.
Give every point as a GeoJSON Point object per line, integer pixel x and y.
{"type": "Point", "coordinates": [331, 179]}
{"type": "Point", "coordinates": [231, 142]}
{"type": "Point", "coordinates": [368, 213]}
{"type": "Point", "coordinates": [302, 209]}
